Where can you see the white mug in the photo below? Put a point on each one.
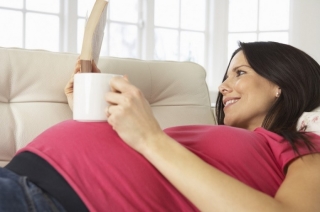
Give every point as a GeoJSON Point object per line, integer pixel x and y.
{"type": "Point", "coordinates": [89, 90]}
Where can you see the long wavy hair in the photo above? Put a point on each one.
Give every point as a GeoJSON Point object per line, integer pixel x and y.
{"type": "Point", "coordinates": [298, 76]}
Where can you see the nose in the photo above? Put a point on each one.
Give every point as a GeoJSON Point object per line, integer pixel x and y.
{"type": "Point", "coordinates": [224, 88]}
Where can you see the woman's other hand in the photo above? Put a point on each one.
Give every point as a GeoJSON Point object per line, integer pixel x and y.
{"type": "Point", "coordinates": [68, 89]}
{"type": "Point", "coordinates": [130, 115]}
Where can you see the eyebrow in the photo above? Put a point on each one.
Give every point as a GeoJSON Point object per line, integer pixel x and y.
{"type": "Point", "coordinates": [237, 67]}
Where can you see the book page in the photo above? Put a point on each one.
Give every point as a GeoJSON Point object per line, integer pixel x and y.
{"type": "Point", "coordinates": [93, 35]}
{"type": "Point", "coordinates": [98, 36]}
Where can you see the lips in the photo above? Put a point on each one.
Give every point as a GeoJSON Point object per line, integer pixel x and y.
{"type": "Point", "coordinates": [229, 101]}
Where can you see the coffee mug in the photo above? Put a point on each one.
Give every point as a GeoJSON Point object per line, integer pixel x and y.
{"type": "Point", "coordinates": [89, 90]}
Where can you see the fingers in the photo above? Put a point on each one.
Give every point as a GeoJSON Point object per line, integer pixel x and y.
{"type": "Point", "coordinates": [107, 111]}
{"type": "Point", "coordinates": [113, 98]}
{"type": "Point", "coordinates": [77, 67]}
{"type": "Point", "coordinates": [123, 93]}
{"type": "Point", "coordinates": [69, 86]}
{"type": "Point", "coordinates": [124, 99]}
{"type": "Point", "coordinates": [95, 68]}
{"type": "Point", "coordinates": [121, 84]}
{"type": "Point", "coordinates": [126, 78]}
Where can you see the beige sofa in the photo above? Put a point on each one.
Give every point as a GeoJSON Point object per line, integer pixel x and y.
{"type": "Point", "coordinates": [32, 97]}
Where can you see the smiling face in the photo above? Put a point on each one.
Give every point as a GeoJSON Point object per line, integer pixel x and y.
{"type": "Point", "coordinates": [247, 96]}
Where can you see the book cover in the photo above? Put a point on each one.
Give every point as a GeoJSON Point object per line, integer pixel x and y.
{"type": "Point", "coordinates": [93, 35]}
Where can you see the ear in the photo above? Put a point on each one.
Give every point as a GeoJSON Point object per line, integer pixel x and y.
{"type": "Point", "coordinates": [278, 93]}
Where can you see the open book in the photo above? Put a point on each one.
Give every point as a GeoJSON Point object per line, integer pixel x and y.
{"type": "Point", "coordinates": [93, 35]}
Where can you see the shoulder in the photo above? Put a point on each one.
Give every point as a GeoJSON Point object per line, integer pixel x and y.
{"type": "Point", "coordinates": [282, 149]}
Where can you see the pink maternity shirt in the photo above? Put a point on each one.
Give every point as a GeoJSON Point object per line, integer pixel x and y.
{"type": "Point", "coordinates": [110, 176]}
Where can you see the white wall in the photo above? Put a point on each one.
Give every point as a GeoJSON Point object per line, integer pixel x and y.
{"type": "Point", "coordinates": [305, 26]}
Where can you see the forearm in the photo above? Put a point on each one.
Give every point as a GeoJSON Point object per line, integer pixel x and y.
{"type": "Point", "coordinates": [206, 187]}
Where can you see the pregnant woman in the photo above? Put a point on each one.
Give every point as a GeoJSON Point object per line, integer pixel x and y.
{"type": "Point", "coordinates": [253, 160]}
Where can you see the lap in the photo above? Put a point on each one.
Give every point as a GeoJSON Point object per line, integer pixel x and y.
{"type": "Point", "coordinates": [18, 194]}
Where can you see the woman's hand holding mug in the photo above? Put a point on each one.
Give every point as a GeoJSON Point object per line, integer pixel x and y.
{"type": "Point", "coordinates": [130, 115]}
{"type": "Point", "coordinates": [68, 90]}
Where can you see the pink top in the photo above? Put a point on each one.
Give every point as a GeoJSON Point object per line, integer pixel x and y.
{"type": "Point", "coordinates": [108, 175]}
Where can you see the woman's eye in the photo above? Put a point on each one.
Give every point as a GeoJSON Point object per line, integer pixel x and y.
{"type": "Point", "coordinates": [239, 73]}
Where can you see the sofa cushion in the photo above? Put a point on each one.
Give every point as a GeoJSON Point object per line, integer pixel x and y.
{"type": "Point", "coordinates": [32, 92]}
{"type": "Point", "coordinates": [310, 121]}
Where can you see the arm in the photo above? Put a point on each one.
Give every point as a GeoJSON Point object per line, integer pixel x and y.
{"type": "Point", "coordinates": [211, 190]}
{"type": "Point", "coordinates": [206, 187]}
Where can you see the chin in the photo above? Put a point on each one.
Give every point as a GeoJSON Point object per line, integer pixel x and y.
{"type": "Point", "coordinates": [231, 123]}
{"type": "Point", "coordinates": [227, 122]}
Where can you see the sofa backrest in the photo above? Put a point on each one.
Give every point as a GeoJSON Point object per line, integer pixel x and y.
{"type": "Point", "coordinates": [32, 92]}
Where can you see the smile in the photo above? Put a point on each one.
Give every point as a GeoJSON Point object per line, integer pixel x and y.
{"type": "Point", "coordinates": [231, 101]}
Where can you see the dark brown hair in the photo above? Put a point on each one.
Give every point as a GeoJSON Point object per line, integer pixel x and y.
{"type": "Point", "coordinates": [298, 76]}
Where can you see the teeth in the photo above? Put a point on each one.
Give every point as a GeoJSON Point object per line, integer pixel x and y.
{"type": "Point", "coordinates": [231, 102]}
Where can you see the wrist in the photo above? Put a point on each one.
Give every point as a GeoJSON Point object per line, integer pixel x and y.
{"type": "Point", "coordinates": [157, 143]}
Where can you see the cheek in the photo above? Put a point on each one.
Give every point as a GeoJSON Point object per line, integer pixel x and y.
{"type": "Point", "coordinates": [242, 86]}
{"type": "Point", "coordinates": [248, 86]}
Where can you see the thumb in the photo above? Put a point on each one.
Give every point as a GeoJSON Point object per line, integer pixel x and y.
{"type": "Point", "coordinates": [126, 78]}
